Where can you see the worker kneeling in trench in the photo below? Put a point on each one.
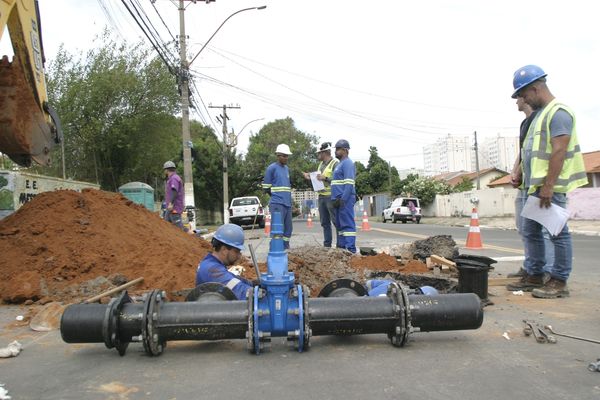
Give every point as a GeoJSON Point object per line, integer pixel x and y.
{"type": "Point", "coordinates": [228, 243]}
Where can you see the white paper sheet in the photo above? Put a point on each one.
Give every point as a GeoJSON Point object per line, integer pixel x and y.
{"type": "Point", "coordinates": [317, 184]}
{"type": "Point", "coordinates": [553, 218]}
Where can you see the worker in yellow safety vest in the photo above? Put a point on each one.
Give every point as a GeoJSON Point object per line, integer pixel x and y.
{"type": "Point", "coordinates": [324, 173]}
{"type": "Point", "coordinates": [551, 166]}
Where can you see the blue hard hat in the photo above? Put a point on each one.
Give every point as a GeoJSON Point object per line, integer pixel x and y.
{"type": "Point", "coordinates": [230, 234]}
{"type": "Point", "coordinates": [525, 76]}
{"type": "Point", "coordinates": [342, 144]}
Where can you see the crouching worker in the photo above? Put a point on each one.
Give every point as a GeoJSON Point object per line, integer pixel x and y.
{"type": "Point", "coordinates": [228, 242]}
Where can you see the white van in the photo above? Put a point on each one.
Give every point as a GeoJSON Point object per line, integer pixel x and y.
{"type": "Point", "coordinates": [246, 211]}
{"type": "Point", "coordinates": [398, 210]}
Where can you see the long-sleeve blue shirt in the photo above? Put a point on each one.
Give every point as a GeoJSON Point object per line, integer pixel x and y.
{"type": "Point", "coordinates": [211, 269]}
{"type": "Point", "coordinates": [277, 178]}
{"type": "Point", "coordinates": [342, 184]}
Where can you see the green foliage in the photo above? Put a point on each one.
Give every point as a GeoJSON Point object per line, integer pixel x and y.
{"type": "Point", "coordinates": [261, 152]}
{"type": "Point", "coordinates": [464, 185]}
{"type": "Point", "coordinates": [399, 185]}
{"type": "Point", "coordinates": [377, 176]}
{"type": "Point", "coordinates": [116, 105]}
{"type": "Point", "coordinates": [426, 189]}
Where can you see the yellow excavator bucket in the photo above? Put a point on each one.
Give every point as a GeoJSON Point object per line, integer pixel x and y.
{"type": "Point", "coordinates": [27, 132]}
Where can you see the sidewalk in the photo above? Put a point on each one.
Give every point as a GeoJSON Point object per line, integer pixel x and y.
{"type": "Point", "coordinates": [580, 227]}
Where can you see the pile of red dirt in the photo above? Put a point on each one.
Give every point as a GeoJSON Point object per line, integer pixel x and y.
{"type": "Point", "coordinates": [67, 246]}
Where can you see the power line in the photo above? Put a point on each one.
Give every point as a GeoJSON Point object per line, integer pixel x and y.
{"type": "Point", "coordinates": [213, 49]}
{"type": "Point", "coordinates": [155, 45]}
{"type": "Point", "coordinates": [162, 20]}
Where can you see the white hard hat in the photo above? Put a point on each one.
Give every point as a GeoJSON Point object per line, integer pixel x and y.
{"type": "Point", "coordinates": [326, 146]}
{"type": "Point", "coordinates": [169, 164]}
{"type": "Point", "coordinates": [283, 149]}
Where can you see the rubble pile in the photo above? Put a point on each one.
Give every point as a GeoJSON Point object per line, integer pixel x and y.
{"type": "Point", "coordinates": [68, 246]}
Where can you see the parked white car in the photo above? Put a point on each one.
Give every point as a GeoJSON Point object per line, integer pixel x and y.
{"type": "Point", "coordinates": [246, 211]}
{"type": "Point", "coordinates": [398, 210]}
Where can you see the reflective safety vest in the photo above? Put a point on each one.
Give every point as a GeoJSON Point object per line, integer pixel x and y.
{"type": "Point", "coordinates": [573, 173]}
{"type": "Point", "coordinates": [327, 172]}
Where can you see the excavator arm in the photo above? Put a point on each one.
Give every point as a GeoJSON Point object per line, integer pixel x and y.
{"type": "Point", "coordinates": [29, 128]}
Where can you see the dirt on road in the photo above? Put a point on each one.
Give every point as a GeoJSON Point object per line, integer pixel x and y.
{"type": "Point", "coordinates": [68, 246]}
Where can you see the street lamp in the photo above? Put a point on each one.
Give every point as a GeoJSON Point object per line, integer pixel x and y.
{"type": "Point", "coordinates": [226, 147]}
{"type": "Point", "coordinates": [223, 23]}
{"type": "Point", "coordinates": [185, 104]}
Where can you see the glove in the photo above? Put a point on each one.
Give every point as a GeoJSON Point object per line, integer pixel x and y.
{"type": "Point", "coordinates": [267, 191]}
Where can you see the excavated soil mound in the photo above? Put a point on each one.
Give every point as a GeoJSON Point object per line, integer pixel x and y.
{"type": "Point", "coordinates": [67, 246]}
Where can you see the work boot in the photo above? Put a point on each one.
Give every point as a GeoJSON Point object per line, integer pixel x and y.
{"type": "Point", "coordinates": [519, 274]}
{"type": "Point", "coordinates": [527, 283]}
{"type": "Point", "coordinates": [553, 289]}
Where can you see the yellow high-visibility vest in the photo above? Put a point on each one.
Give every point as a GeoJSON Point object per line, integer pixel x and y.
{"type": "Point", "coordinates": [327, 173]}
{"type": "Point", "coordinates": [573, 173]}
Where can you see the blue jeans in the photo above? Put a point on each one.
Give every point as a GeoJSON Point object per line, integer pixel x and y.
{"type": "Point", "coordinates": [327, 217]}
{"type": "Point", "coordinates": [533, 238]}
{"type": "Point", "coordinates": [548, 245]}
{"type": "Point", "coordinates": [286, 218]}
{"type": "Point", "coordinates": [175, 219]}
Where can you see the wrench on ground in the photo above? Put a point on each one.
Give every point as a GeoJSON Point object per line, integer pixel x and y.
{"type": "Point", "coordinates": [549, 327]}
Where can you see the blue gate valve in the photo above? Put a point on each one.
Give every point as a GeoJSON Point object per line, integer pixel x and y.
{"type": "Point", "coordinates": [279, 306]}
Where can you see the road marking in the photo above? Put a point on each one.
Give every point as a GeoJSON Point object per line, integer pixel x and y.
{"type": "Point", "coordinates": [458, 242]}
{"type": "Point", "coordinates": [513, 258]}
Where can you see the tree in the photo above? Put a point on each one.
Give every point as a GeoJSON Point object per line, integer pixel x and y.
{"type": "Point", "coordinates": [398, 187]}
{"type": "Point", "coordinates": [464, 185]}
{"type": "Point", "coordinates": [117, 106]}
{"type": "Point", "coordinates": [261, 151]}
{"type": "Point", "coordinates": [426, 189]}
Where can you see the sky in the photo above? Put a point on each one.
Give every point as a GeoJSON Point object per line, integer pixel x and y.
{"type": "Point", "coordinates": [396, 75]}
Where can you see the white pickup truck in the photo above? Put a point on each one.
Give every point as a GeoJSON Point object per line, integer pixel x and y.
{"type": "Point", "coordinates": [398, 211]}
{"type": "Point", "coordinates": [246, 211]}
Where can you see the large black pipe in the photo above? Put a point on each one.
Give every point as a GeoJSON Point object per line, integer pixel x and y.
{"type": "Point", "coordinates": [86, 323]}
{"type": "Point", "coordinates": [203, 321]}
{"type": "Point", "coordinates": [82, 323]}
{"type": "Point", "coordinates": [351, 315]}
{"type": "Point", "coordinates": [362, 315]}
{"type": "Point", "coordinates": [154, 322]}
{"type": "Point", "coordinates": [445, 312]}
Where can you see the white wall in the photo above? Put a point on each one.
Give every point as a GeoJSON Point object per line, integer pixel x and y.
{"type": "Point", "coordinates": [500, 202]}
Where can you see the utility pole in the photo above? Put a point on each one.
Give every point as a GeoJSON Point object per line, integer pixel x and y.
{"type": "Point", "coordinates": [476, 160]}
{"type": "Point", "coordinates": [185, 117]}
{"type": "Point", "coordinates": [224, 118]}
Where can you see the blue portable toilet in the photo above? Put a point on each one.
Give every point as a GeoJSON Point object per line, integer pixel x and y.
{"type": "Point", "coordinates": [140, 193]}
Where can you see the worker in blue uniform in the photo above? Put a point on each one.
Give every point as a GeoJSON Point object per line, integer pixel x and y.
{"type": "Point", "coordinates": [227, 242]}
{"type": "Point", "coordinates": [343, 195]}
{"type": "Point", "coordinates": [277, 184]}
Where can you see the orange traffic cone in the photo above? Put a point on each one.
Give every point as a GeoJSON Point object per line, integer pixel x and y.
{"type": "Point", "coordinates": [268, 224]}
{"type": "Point", "coordinates": [309, 223]}
{"type": "Point", "coordinates": [474, 236]}
{"type": "Point", "coordinates": [365, 222]}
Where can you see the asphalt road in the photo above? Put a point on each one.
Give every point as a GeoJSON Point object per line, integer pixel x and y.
{"type": "Point", "coordinates": [479, 364]}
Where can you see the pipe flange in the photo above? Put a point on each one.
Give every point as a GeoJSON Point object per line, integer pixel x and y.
{"type": "Point", "coordinates": [150, 338]}
{"type": "Point", "coordinates": [400, 303]}
{"type": "Point", "coordinates": [343, 287]}
{"type": "Point", "coordinates": [211, 291]}
{"type": "Point", "coordinates": [110, 324]}
{"type": "Point", "coordinates": [252, 335]}
{"type": "Point", "coordinates": [307, 330]}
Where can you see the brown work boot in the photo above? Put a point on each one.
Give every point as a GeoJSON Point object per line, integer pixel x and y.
{"type": "Point", "coordinates": [553, 289]}
{"type": "Point", "coordinates": [527, 283]}
{"type": "Point", "coordinates": [519, 274]}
